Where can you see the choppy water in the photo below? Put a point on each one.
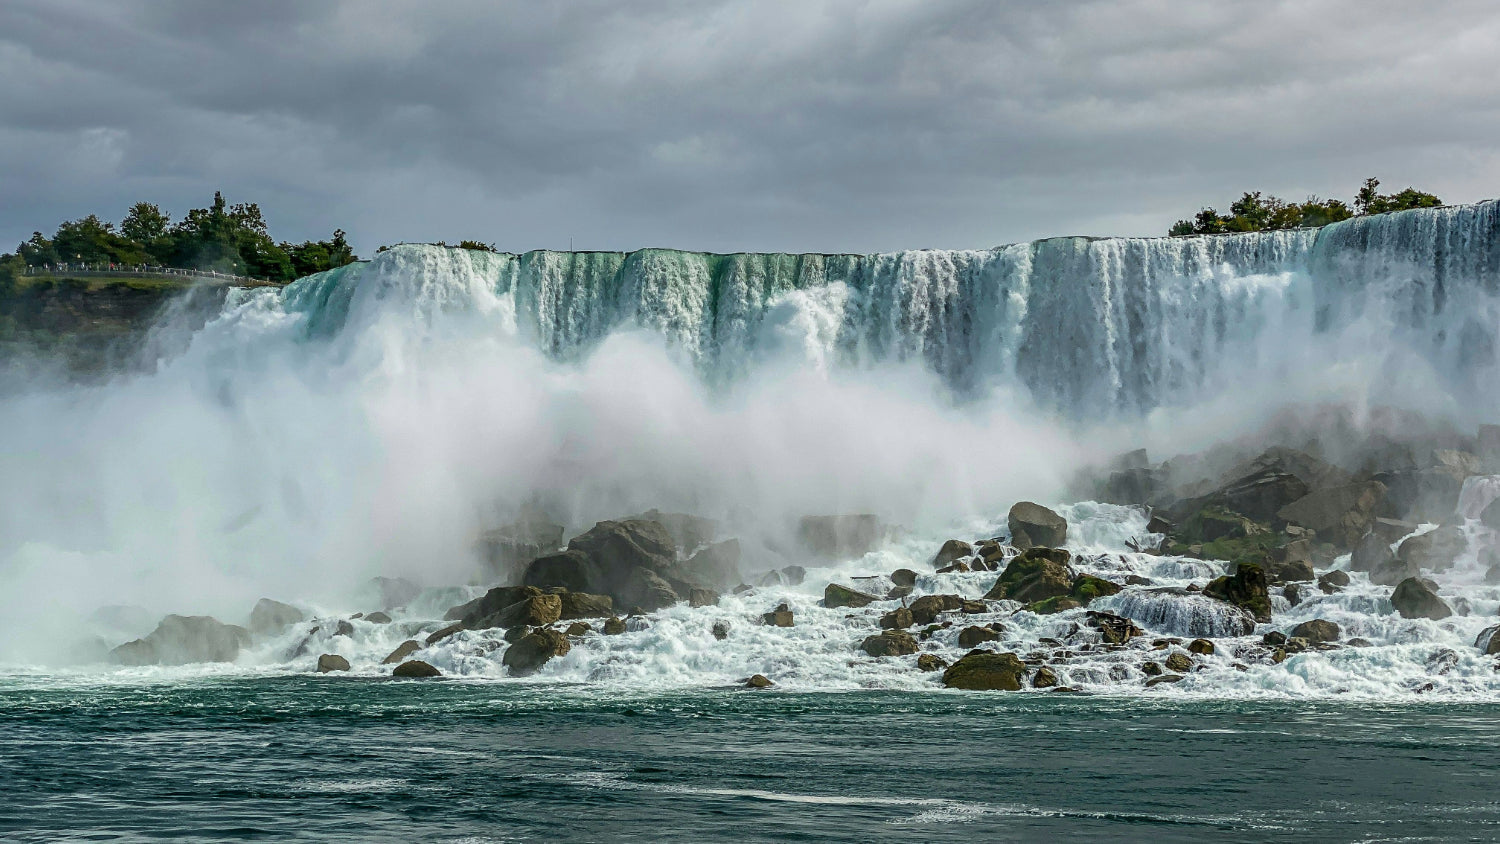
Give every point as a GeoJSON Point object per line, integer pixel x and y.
{"type": "Point", "coordinates": [340, 758]}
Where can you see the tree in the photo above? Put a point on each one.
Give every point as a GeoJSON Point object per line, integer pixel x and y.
{"type": "Point", "coordinates": [145, 223]}
{"type": "Point", "coordinates": [1255, 212]}
{"type": "Point", "coordinates": [37, 251]}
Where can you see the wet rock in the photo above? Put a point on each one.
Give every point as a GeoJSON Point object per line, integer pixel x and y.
{"type": "Point", "coordinates": [516, 634]}
{"type": "Point", "coordinates": [889, 643]}
{"type": "Point", "coordinates": [1044, 678]}
{"type": "Point", "coordinates": [1034, 575]}
{"type": "Point", "coordinates": [506, 549]}
{"type": "Point", "coordinates": [1113, 629]}
{"type": "Point", "coordinates": [270, 617]}
{"type": "Point", "coordinates": [415, 668]}
{"type": "Point", "coordinates": [716, 566]}
{"type": "Point", "coordinates": [1371, 552]}
{"type": "Point", "coordinates": [1393, 571]}
{"type": "Point", "coordinates": [533, 651]}
{"type": "Point", "coordinates": [1181, 663]}
{"type": "Point", "coordinates": [835, 596]}
{"type": "Point", "coordinates": [1340, 514]}
{"type": "Point", "coordinates": [970, 637]}
{"type": "Point", "coordinates": [1165, 678]}
{"type": "Point", "coordinates": [721, 630]}
{"type": "Point", "coordinates": [1274, 639]}
{"type": "Point", "coordinates": [952, 551]}
{"type": "Point", "coordinates": [1333, 581]}
{"type": "Point", "coordinates": [926, 609]}
{"type": "Point", "coordinates": [537, 610]}
{"type": "Point", "coordinates": [402, 651]}
{"type": "Point", "coordinates": [1435, 550]}
{"type": "Point", "coordinates": [578, 628]}
{"type": "Point", "coordinates": [332, 662]}
{"type": "Point", "coordinates": [1137, 580]}
{"type": "Point", "coordinates": [574, 605]}
{"type": "Point", "coordinates": [701, 597]}
{"type": "Point", "coordinates": [378, 617]}
{"type": "Point", "coordinates": [343, 628]}
{"type": "Point", "coordinates": [475, 613]}
{"type": "Point", "coordinates": [1202, 647]}
{"type": "Point", "coordinates": [896, 619]}
{"type": "Point", "coordinates": [758, 681]}
{"type": "Point", "coordinates": [779, 617]}
{"type": "Point", "coordinates": [959, 566]}
{"type": "Point", "coordinates": [904, 577]}
{"type": "Point", "coordinates": [1487, 642]}
{"type": "Point", "coordinates": [1292, 593]}
{"type": "Point", "coordinates": [614, 626]}
{"type": "Point", "coordinates": [1151, 669]}
{"type": "Point", "coordinates": [444, 633]}
{"type": "Point", "coordinates": [1033, 525]}
{"type": "Point", "coordinates": [1246, 589]}
{"type": "Point", "coordinates": [1317, 631]}
{"type": "Point", "coordinates": [1286, 571]}
{"type": "Point", "coordinates": [647, 589]}
{"type": "Point", "coordinates": [1358, 643]}
{"type": "Point", "coordinates": [1052, 606]}
{"type": "Point", "coordinates": [688, 532]}
{"type": "Point", "coordinates": [931, 662]}
{"type": "Point", "coordinates": [842, 537]}
{"type": "Point", "coordinates": [982, 670]}
{"type": "Point", "coordinates": [184, 639]}
{"type": "Point", "coordinates": [1415, 599]}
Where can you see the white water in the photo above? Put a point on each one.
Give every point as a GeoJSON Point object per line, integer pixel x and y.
{"type": "Point", "coordinates": [374, 419]}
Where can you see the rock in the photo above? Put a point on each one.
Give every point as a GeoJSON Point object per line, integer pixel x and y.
{"type": "Point", "coordinates": [647, 589]}
{"type": "Point", "coordinates": [959, 566]}
{"type": "Point", "coordinates": [1044, 678]}
{"type": "Point", "coordinates": [689, 533]}
{"type": "Point", "coordinates": [1391, 530]}
{"type": "Point", "coordinates": [1340, 514]}
{"type": "Point", "coordinates": [1317, 631]}
{"type": "Point", "coordinates": [721, 630]}
{"type": "Point", "coordinates": [1087, 587]}
{"type": "Point", "coordinates": [184, 639]}
{"type": "Point", "coordinates": [1435, 550]}
{"type": "Point", "coordinates": [270, 617]}
{"type": "Point", "coordinates": [1420, 495]}
{"type": "Point", "coordinates": [1202, 647]}
{"type": "Point", "coordinates": [1273, 639]}
{"type": "Point", "coordinates": [1151, 669]}
{"type": "Point", "coordinates": [395, 592]}
{"type": "Point", "coordinates": [904, 577]}
{"type": "Point", "coordinates": [332, 662]}
{"type": "Point", "coordinates": [343, 628]}
{"type": "Point", "coordinates": [1262, 494]}
{"type": "Point", "coordinates": [982, 670]}
{"type": "Point", "coordinates": [779, 617]}
{"type": "Point", "coordinates": [835, 596]}
{"type": "Point", "coordinates": [633, 561]}
{"type": "Point", "coordinates": [1286, 571]}
{"type": "Point", "coordinates": [575, 605]}
{"type": "Point", "coordinates": [537, 610]}
{"type": "Point", "coordinates": [572, 569]}
{"type": "Point", "coordinates": [444, 633]}
{"type": "Point", "coordinates": [506, 549]}
{"type": "Point", "coordinates": [1246, 588]}
{"type": "Point", "coordinates": [758, 681]}
{"type": "Point", "coordinates": [1487, 642]}
{"type": "Point", "coordinates": [1035, 575]}
{"type": "Point", "coordinates": [1333, 581]}
{"type": "Point", "coordinates": [1393, 571]}
{"type": "Point", "coordinates": [1415, 599]}
{"type": "Point", "coordinates": [614, 626]}
{"type": "Point", "coordinates": [1113, 629]}
{"type": "Point", "coordinates": [378, 617]}
{"type": "Point", "coordinates": [1137, 580]}
{"type": "Point", "coordinates": [793, 575]}
{"type": "Point", "coordinates": [952, 551]}
{"type": "Point", "coordinates": [1051, 606]}
{"type": "Point", "coordinates": [970, 637]}
{"type": "Point", "coordinates": [578, 628]}
{"type": "Point", "coordinates": [415, 668]}
{"type": "Point", "coordinates": [716, 566]}
{"type": "Point", "coordinates": [841, 537]}
{"type": "Point", "coordinates": [890, 643]}
{"type": "Point", "coordinates": [402, 651]}
{"type": "Point", "coordinates": [1181, 663]}
{"type": "Point", "coordinates": [475, 613]}
{"type": "Point", "coordinates": [1292, 593]}
{"type": "Point", "coordinates": [698, 596]}
{"type": "Point", "coordinates": [896, 619]}
{"type": "Point", "coordinates": [533, 651]}
{"type": "Point", "coordinates": [1357, 642]}
{"type": "Point", "coordinates": [1165, 678]}
{"type": "Point", "coordinates": [930, 662]}
{"type": "Point", "coordinates": [1033, 525]}
{"type": "Point", "coordinates": [926, 609]}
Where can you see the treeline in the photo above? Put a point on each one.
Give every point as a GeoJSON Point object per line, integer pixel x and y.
{"type": "Point", "coordinates": [1254, 212]}
{"type": "Point", "coordinates": [225, 238]}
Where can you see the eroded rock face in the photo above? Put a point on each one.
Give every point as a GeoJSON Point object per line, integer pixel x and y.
{"type": "Point", "coordinates": [1340, 514]}
{"type": "Point", "coordinates": [270, 617]}
{"type": "Point", "coordinates": [1032, 525]}
{"type": "Point", "coordinates": [1035, 575]}
{"type": "Point", "coordinates": [1415, 599]}
{"type": "Point", "coordinates": [528, 655]}
{"type": "Point", "coordinates": [985, 671]}
{"type": "Point", "coordinates": [185, 639]}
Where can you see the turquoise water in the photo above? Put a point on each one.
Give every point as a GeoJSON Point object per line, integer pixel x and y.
{"type": "Point", "coordinates": [365, 760]}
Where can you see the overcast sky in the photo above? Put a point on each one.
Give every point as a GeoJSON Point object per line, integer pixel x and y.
{"type": "Point", "coordinates": [797, 126]}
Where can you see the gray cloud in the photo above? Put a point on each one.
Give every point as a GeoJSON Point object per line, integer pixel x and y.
{"type": "Point", "coordinates": [838, 126]}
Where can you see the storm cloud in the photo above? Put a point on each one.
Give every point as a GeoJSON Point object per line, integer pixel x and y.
{"type": "Point", "coordinates": [797, 126]}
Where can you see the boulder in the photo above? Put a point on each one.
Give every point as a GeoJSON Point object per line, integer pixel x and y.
{"type": "Point", "coordinates": [378, 617]}
{"type": "Point", "coordinates": [890, 643]}
{"type": "Point", "coordinates": [699, 596]}
{"type": "Point", "coordinates": [1487, 642]}
{"type": "Point", "coordinates": [506, 549]}
{"type": "Point", "coordinates": [1317, 631]}
{"type": "Point", "coordinates": [721, 630]}
{"type": "Point", "coordinates": [1165, 678]}
{"type": "Point", "coordinates": [1280, 568]}
{"type": "Point", "coordinates": [1151, 669]}
{"type": "Point", "coordinates": [444, 633]}
{"type": "Point", "coordinates": [1293, 594]}
{"type": "Point", "coordinates": [474, 613]}
{"type": "Point", "coordinates": [983, 671]}
{"type": "Point", "coordinates": [332, 662]}
{"type": "Point", "coordinates": [536, 610]}
{"type": "Point", "coordinates": [1420, 495]}
{"type": "Point", "coordinates": [1435, 550]}
{"type": "Point", "coordinates": [270, 617]}
{"type": "Point", "coordinates": [577, 628]}
{"type": "Point", "coordinates": [971, 637]}
{"type": "Point", "coordinates": [841, 537]}
{"type": "Point", "coordinates": [1202, 647]}
{"type": "Point", "coordinates": [779, 617]}
{"type": "Point", "coordinates": [1179, 662]}
{"type": "Point", "coordinates": [402, 651]}
{"type": "Point", "coordinates": [571, 569]}
{"type": "Point", "coordinates": [689, 532]}
{"type": "Point", "coordinates": [1035, 575]}
{"type": "Point", "coordinates": [1044, 678]}
{"type": "Point", "coordinates": [715, 566]}
{"type": "Point", "coordinates": [1262, 494]}
{"type": "Point", "coordinates": [184, 639]}
{"type": "Point", "coordinates": [1087, 587]}
{"type": "Point", "coordinates": [758, 681]}
{"type": "Point", "coordinates": [343, 628]}
{"type": "Point", "coordinates": [1053, 605]}
{"type": "Point", "coordinates": [614, 626]}
{"type": "Point", "coordinates": [1333, 581]}
{"type": "Point", "coordinates": [1340, 514]}
{"type": "Point", "coordinates": [1246, 589]}
{"type": "Point", "coordinates": [532, 652]}
{"type": "Point", "coordinates": [1393, 571]}
{"type": "Point", "coordinates": [1415, 599]}
{"type": "Point", "coordinates": [584, 605]}
{"type": "Point", "coordinates": [415, 668]}
{"type": "Point", "coordinates": [835, 596]}
{"type": "Point", "coordinates": [648, 590]}
{"type": "Point", "coordinates": [896, 619]}
{"type": "Point", "coordinates": [926, 609]}
{"type": "Point", "coordinates": [1113, 629]}
{"type": "Point", "coordinates": [1033, 525]}
{"type": "Point", "coordinates": [930, 662]}
{"type": "Point", "coordinates": [952, 551]}
{"type": "Point", "coordinates": [904, 577]}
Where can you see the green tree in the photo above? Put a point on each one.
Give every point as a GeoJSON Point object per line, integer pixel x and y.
{"type": "Point", "coordinates": [145, 223]}
{"type": "Point", "coordinates": [37, 251]}
{"type": "Point", "coordinates": [1255, 211]}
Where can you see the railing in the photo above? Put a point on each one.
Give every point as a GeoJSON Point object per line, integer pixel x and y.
{"type": "Point", "coordinates": [139, 271]}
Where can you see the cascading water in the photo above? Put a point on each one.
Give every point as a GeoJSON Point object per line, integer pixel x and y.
{"type": "Point", "coordinates": [375, 418]}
